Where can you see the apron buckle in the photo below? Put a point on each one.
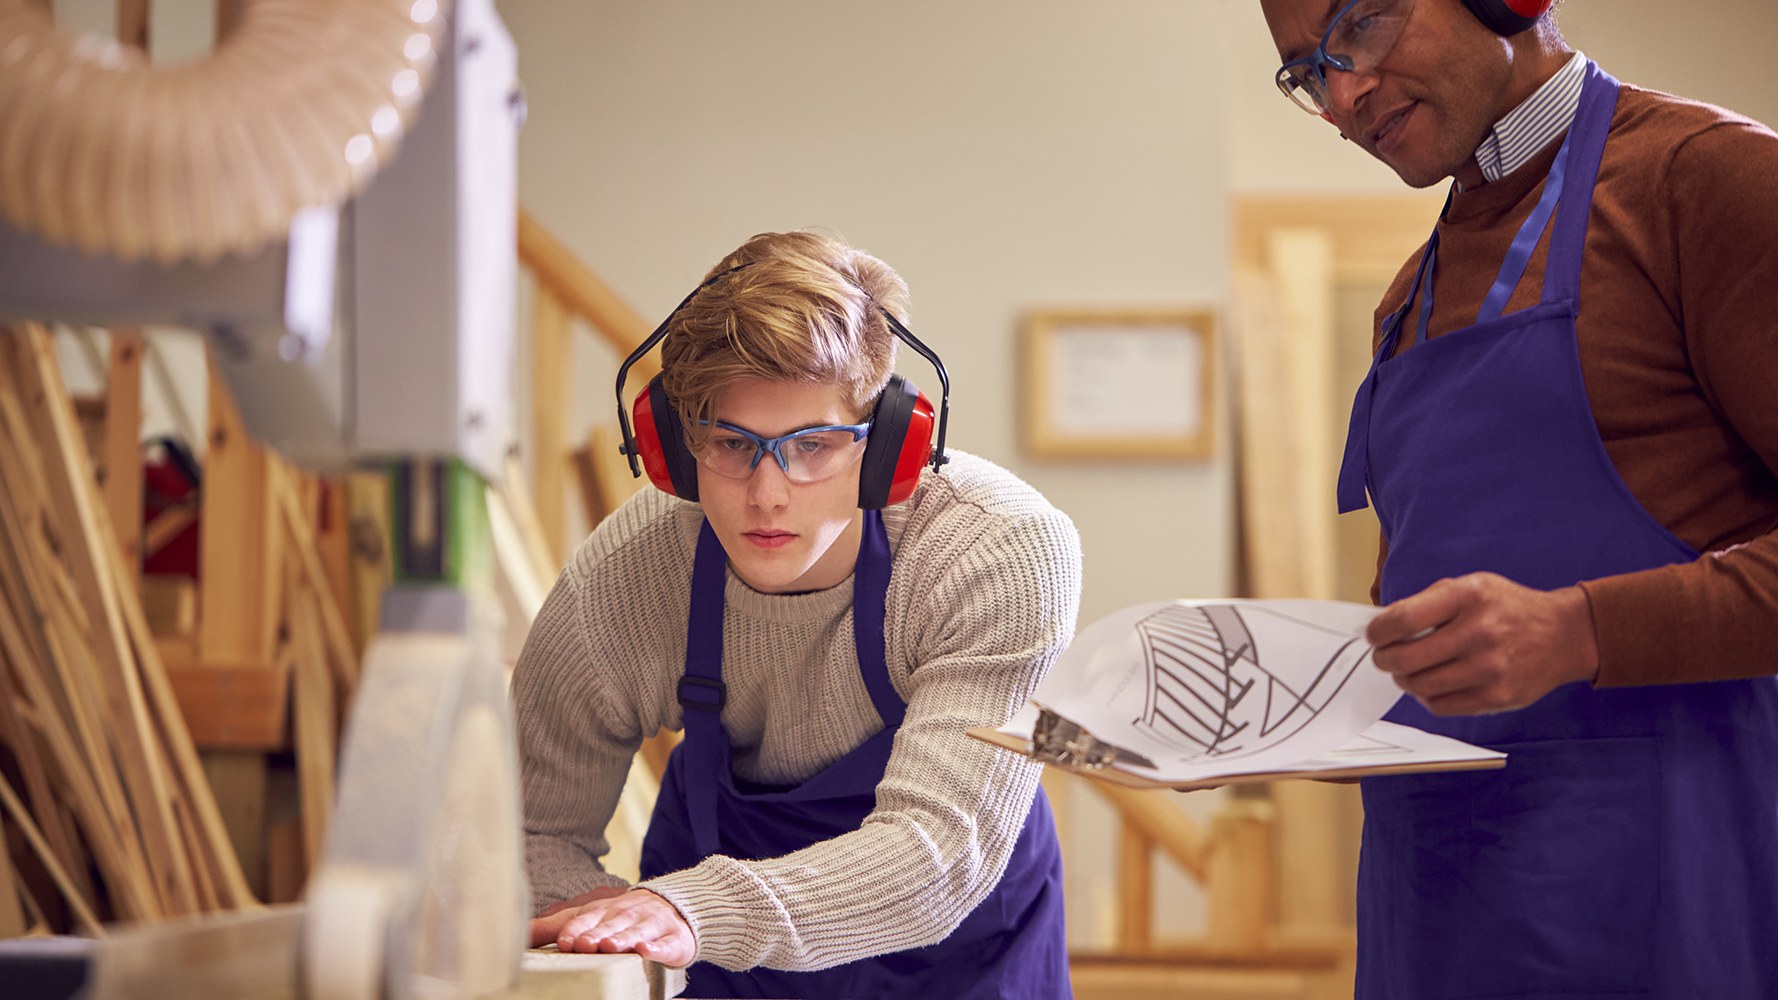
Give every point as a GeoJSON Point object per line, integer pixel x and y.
{"type": "Point", "coordinates": [701, 702]}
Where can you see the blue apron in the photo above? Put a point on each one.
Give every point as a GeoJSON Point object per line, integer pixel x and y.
{"type": "Point", "coordinates": [1010, 946]}
{"type": "Point", "coordinates": [1630, 845]}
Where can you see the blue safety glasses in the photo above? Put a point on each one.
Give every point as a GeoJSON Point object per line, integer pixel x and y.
{"type": "Point", "coordinates": [1356, 41]}
{"type": "Point", "coordinates": [806, 456]}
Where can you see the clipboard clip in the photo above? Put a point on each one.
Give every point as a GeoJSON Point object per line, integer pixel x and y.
{"type": "Point", "coordinates": [1055, 740]}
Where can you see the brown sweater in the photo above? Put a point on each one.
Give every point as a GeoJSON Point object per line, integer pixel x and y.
{"type": "Point", "coordinates": [1678, 335]}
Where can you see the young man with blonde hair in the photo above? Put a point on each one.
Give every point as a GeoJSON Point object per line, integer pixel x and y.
{"type": "Point", "coordinates": [824, 622]}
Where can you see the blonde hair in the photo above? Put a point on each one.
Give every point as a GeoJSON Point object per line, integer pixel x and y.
{"type": "Point", "coordinates": [793, 307]}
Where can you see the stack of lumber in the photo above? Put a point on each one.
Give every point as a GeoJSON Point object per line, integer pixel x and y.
{"type": "Point", "coordinates": [104, 805]}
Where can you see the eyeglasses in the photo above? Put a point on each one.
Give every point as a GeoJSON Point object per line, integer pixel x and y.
{"type": "Point", "coordinates": [1357, 40]}
{"type": "Point", "coordinates": [806, 456]}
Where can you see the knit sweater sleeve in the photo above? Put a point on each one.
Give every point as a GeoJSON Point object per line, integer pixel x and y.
{"type": "Point", "coordinates": [586, 691]}
{"type": "Point", "coordinates": [981, 606]}
{"type": "Point", "coordinates": [1717, 617]}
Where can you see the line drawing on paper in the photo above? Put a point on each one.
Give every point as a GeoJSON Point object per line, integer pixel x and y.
{"type": "Point", "coordinates": [1226, 680]}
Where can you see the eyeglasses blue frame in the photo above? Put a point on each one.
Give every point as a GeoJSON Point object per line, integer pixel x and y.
{"type": "Point", "coordinates": [765, 445]}
{"type": "Point", "coordinates": [1318, 61]}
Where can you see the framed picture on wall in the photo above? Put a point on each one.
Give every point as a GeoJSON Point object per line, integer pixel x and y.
{"type": "Point", "coordinates": [1118, 383]}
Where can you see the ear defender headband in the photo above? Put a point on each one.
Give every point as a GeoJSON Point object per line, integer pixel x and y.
{"type": "Point", "coordinates": [899, 447]}
{"type": "Point", "coordinates": [1509, 17]}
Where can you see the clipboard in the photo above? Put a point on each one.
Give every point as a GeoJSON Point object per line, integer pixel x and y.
{"type": "Point", "coordinates": [1391, 748]}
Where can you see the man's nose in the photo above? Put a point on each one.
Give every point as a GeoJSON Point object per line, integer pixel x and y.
{"type": "Point", "coordinates": [1345, 92]}
{"type": "Point", "coordinates": [767, 485]}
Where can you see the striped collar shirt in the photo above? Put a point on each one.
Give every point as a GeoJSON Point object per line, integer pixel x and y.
{"type": "Point", "coordinates": [1531, 126]}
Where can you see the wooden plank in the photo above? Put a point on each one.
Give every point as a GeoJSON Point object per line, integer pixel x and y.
{"type": "Point", "coordinates": [522, 579]}
{"type": "Point", "coordinates": [336, 639]}
{"type": "Point", "coordinates": [1117, 978]}
{"type": "Point", "coordinates": [166, 526]}
{"type": "Point", "coordinates": [121, 466]}
{"type": "Point", "coordinates": [233, 708]}
{"type": "Point", "coordinates": [1239, 879]}
{"type": "Point", "coordinates": [610, 470]}
{"type": "Point", "coordinates": [237, 617]}
{"type": "Point", "coordinates": [523, 511]}
{"type": "Point", "coordinates": [1317, 860]}
{"type": "Point", "coordinates": [658, 749]}
{"type": "Point", "coordinates": [313, 719]}
{"type": "Point", "coordinates": [84, 786]}
{"type": "Point", "coordinates": [86, 536]}
{"type": "Point", "coordinates": [68, 714]}
{"type": "Point", "coordinates": [286, 871]}
{"type": "Point", "coordinates": [552, 368]}
{"type": "Point", "coordinates": [132, 23]}
{"type": "Point", "coordinates": [226, 867]}
{"type": "Point", "coordinates": [237, 779]}
{"type": "Point", "coordinates": [170, 604]}
{"type": "Point", "coordinates": [609, 316]}
{"type": "Point", "coordinates": [553, 975]}
{"type": "Point", "coordinates": [1163, 823]}
{"type": "Point", "coordinates": [39, 791]}
{"type": "Point", "coordinates": [83, 911]}
{"type": "Point", "coordinates": [12, 910]}
{"type": "Point", "coordinates": [1135, 883]}
{"type": "Point", "coordinates": [333, 543]}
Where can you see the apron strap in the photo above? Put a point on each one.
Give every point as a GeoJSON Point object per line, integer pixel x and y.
{"type": "Point", "coordinates": [870, 588]}
{"type": "Point", "coordinates": [1530, 232]}
{"type": "Point", "coordinates": [1592, 124]}
{"type": "Point", "coordinates": [702, 693]}
{"type": "Point", "coordinates": [1354, 464]}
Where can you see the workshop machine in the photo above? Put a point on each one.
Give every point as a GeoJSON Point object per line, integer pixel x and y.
{"type": "Point", "coordinates": [358, 294]}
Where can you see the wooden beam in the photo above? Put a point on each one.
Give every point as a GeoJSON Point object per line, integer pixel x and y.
{"type": "Point", "coordinates": [170, 605]}
{"type": "Point", "coordinates": [1135, 883]}
{"type": "Point", "coordinates": [86, 536]}
{"type": "Point", "coordinates": [523, 510]}
{"type": "Point", "coordinates": [132, 23]}
{"type": "Point", "coordinates": [166, 526]}
{"type": "Point", "coordinates": [122, 460]}
{"type": "Point", "coordinates": [12, 910]}
{"type": "Point", "coordinates": [552, 368]}
{"type": "Point", "coordinates": [234, 708]}
{"type": "Point", "coordinates": [609, 316]}
{"type": "Point", "coordinates": [53, 820]}
{"type": "Point", "coordinates": [312, 718]}
{"type": "Point", "coordinates": [83, 911]}
{"type": "Point", "coordinates": [336, 638]}
{"type": "Point", "coordinates": [1163, 823]}
{"type": "Point", "coordinates": [67, 713]}
{"type": "Point", "coordinates": [1239, 881]}
{"type": "Point", "coordinates": [237, 618]}
{"type": "Point", "coordinates": [604, 473]}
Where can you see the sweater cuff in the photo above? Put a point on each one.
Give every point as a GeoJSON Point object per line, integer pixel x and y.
{"type": "Point", "coordinates": [1643, 628]}
{"type": "Point", "coordinates": [721, 905]}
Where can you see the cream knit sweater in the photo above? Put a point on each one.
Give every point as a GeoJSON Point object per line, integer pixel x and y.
{"type": "Point", "coordinates": [982, 598]}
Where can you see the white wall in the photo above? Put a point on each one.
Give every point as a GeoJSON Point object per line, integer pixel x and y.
{"type": "Point", "coordinates": [1000, 156]}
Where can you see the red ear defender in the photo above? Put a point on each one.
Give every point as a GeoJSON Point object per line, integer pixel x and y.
{"type": "Point", "coordinates": [1509, 17]}
{"type": "Point", "coordinates": [901, 440]}
{"type": "Point", "coordinates": [899, 446]}
{"type": "Point", "coordinates": [660, 443]}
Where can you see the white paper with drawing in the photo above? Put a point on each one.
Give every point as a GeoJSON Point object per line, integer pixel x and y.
{"type": "Point", "coordinates": [1189, 690]}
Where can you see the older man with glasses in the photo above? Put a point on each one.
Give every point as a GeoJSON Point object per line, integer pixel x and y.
{"type": "Point", "coordinates": [1570, 439]}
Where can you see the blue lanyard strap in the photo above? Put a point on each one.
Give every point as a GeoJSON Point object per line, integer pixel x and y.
{"type": "Point", "coordinates": [1513, 267]}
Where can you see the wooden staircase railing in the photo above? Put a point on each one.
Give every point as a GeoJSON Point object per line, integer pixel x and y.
{"type": "Point", "coordinates": [565, 290]}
